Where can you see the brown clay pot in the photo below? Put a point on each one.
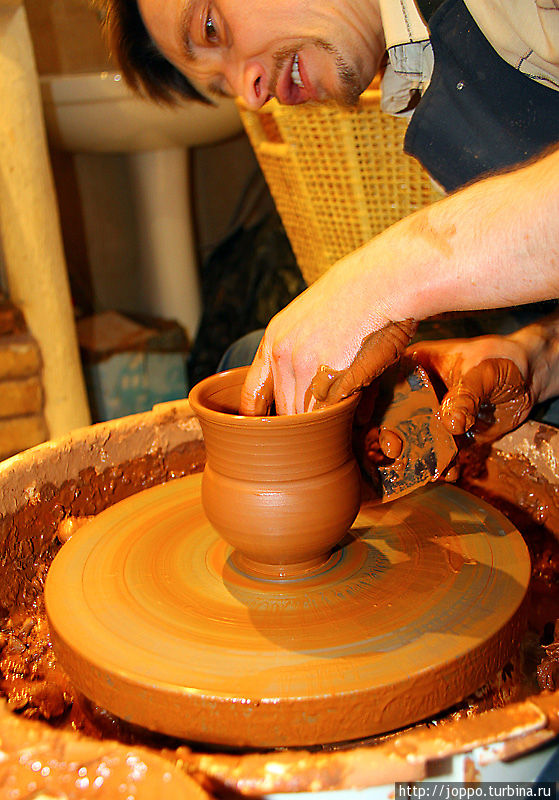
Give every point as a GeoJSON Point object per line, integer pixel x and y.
{"type": "Point", "coordinates": [282, 490]}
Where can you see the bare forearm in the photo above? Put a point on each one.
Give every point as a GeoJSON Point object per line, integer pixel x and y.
{"type": "Point", "coordinates": [493, 244]}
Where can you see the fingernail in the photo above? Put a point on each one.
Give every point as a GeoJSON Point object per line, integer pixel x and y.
{"type": "Point", "coordinates": [390, 443]}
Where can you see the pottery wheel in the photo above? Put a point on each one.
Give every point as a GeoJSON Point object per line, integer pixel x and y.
{"type": "Point", "coordinates": [153, 621]}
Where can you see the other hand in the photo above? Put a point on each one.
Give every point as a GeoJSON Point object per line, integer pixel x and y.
{"type": "Point", "coordinates": [487, 382]}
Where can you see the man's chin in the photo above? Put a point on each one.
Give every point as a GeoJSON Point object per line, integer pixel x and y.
{"type": "Point", "coordinates": [350, 90]}
{"type": "Point", "coordinates": [348, 99]}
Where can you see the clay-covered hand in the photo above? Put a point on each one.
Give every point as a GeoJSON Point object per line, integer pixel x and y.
{"type": "Point", "coordinates": [398, 437]}
{"type": "Point", "coordinates": [325, 345]}
{"type": "Point", "coordinates": [488, 384]}
{"type": "Point", "coordinates": [448, 256]}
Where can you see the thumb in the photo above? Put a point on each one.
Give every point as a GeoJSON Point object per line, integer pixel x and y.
{"type": "Point", "coordinates": [493, 381]}
{"type": "Point", "coordinates": [459, 408]}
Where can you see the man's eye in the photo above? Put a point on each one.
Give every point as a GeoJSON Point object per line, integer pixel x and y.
{"type": "Point", "coordinates": [210, 30]}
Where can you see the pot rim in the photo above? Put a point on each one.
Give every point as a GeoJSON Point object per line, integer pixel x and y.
{"type": "Point", "coordinates": [222, 379]}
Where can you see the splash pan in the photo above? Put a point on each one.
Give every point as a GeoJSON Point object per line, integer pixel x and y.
{"type": "Point", "coordinates": [419, 607]}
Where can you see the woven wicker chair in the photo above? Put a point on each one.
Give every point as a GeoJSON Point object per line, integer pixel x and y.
{"type": "Point", "coordinates": [338, 176]}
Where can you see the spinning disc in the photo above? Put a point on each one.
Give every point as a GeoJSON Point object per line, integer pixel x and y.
{"type": "Point", "coordinates": [153, 621]}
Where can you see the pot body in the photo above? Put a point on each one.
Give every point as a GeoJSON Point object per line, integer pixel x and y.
{"type": "Point", "coordinates": [282, 490]}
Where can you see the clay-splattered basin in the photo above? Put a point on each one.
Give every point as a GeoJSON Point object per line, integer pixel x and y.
{"type": "Point", "coordinates": [88, 471]}
{"type": "Point", "coordinates": [282, 490]}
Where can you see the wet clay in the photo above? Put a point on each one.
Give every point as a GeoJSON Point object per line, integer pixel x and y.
{"type": "Point", "coordinates": [24, 560]}
{"type": "Point", "coordinates": [512, 484]}
{"type": "Point", "coordinates": [282, 490]}
{"type": "Point", "coordinates": [261, 401]}
{"type": "Point", "coordinates": [487, 399]}
{"type": "Point", "coordinates": [548, 669]}
{"type": "Point", "coordinates": [423, 603]}
{"type": "Point", "coordinates": [39, 762]}
{"type": "Point", "coordinates": [491, 399]}
{"type": "Point", "coordinates": [437, 238]}
{"type": "Point", "coordinates": [30, 677]}
{"type": "Point", "coordinates": [403, 445]}
{"type": "Point", "coordinates": [378, 351]}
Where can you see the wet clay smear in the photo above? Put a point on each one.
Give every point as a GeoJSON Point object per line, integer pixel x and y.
{"type": "Point", "coordinates": [37, 688]}
{"type": "Point", "coordinates": [34, 685]}
{"type": "Point", "coordinates": [511, 484]}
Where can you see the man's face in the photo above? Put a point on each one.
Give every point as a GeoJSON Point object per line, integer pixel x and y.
{"type": "Point", "coordinates": [295, 50]}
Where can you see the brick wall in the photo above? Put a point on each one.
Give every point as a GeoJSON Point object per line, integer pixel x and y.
{"type": "Point", "coordinates": [22, 423]}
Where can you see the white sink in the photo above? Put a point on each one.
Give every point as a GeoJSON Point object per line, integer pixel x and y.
{"type": "Point", "coordinates": [98, 113]}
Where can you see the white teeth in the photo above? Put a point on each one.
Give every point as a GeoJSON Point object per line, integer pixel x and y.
{"type": "Point", "coordinates": [295, 74]}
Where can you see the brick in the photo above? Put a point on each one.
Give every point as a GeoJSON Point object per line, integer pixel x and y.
{"type": "Point", "coordinates": [11, 318]}
{"type": "Point", "coordinates": [19, 356]}
{"type": "Point", "coordinates": [19, 397]}
{"type": "Point", "coordinates": [19, 433]}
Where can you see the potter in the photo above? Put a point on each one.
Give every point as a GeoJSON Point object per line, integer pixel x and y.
{"type": "Point", "coordinates": [389, 310]}
{"type": "Point", "coordinates": [478, 248]}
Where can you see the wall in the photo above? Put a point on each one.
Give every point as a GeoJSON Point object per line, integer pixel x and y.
{"type": "Point", "coordinates": [94, 191]}
{"type": "Point", "coordinates": [66, 36]}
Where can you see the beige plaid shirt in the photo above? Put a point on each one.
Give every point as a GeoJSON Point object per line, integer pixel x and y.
{"type": "Point", "coordinates": [525, 33]}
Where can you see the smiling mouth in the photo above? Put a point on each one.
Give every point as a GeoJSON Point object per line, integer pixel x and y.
{"type": "Point", "coordinates": [295, 74]}
{"type": "Point", "coordinates": [290, 84]}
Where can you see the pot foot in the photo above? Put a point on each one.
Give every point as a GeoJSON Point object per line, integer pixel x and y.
{"type": "Point", "coordinates": [279, 572]}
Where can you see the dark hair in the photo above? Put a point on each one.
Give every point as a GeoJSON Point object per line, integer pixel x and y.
{"type": "Point", "coordinates": [144, 68]}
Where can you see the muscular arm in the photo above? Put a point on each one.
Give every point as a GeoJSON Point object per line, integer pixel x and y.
{"type": "Point", "coordinates": [493, 244]}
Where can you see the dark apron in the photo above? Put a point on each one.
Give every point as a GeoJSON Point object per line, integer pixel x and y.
{"type": "Point", "coordinates": [478, 114]}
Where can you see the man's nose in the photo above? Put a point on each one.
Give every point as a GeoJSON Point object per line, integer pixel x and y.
{"type": "Point", "coordinates": [251, 84]}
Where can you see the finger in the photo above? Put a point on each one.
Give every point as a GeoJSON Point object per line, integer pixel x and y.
{"type": "Point", "coordinates": [378, 351]}
{"type": "Point", "coordinates": [505, 382]}
{"type": "Point", "coordinates": [451, 474]}
{"type": "Point", "coordinates": [425, 353]}
{"type": "Point", "coordinates": [459, 409]}
{"type": "Point", "coordinates": [390, 443]}
{"type": "Point", "coordinates": [494, 381]}
{"type": "Point", "coordinates": [257, 393]}
{"type": "Point", "coordinates": [286, 389]}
